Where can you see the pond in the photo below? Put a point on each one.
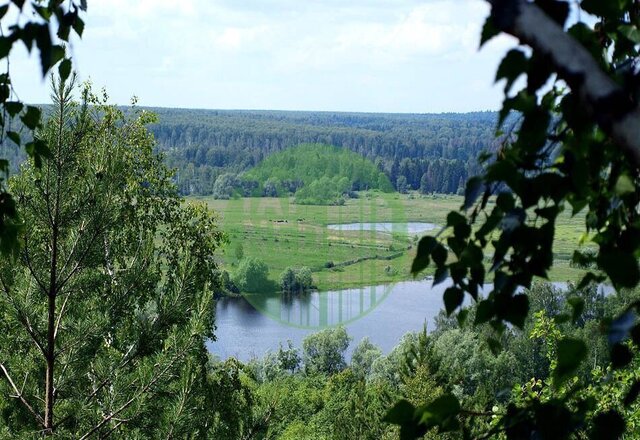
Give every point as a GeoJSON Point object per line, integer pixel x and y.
{"type": "Point", "coordinates": [249, 327]}
{"type": "Point", "coordinates": [410, 228]}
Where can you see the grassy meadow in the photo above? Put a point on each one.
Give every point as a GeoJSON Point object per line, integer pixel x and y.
{"type": "Point", "coordinates": [284, 234]}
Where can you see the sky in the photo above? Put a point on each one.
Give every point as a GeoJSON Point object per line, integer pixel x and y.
{"type": "Point", "coordinates": [329, 55]}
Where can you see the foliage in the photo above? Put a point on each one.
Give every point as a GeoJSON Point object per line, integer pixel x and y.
{"type": "Point", "coordinates": [252, 275]}
{"type": "Point", "coordinates": [224, 186]}
{"type": "Point", "coordinates": [363, 357]}
{"type": "Point", "coordinates": [323, 352]}
{"type": "Point", "coordinates": [203, 144]}
{"type": "Point", "coordinates": [107, 307]}
{"type": "Point", "coordinates": [296, 280]}
{"type": "Point", "coordinates": [316, 174]}
{"type": "Point", "coordinates": [34, 22]}
{"type": "Point", "coordinates": [574, 146]}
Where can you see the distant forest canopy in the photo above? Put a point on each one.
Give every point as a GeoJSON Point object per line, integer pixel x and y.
{"type": "Point", "coordinates": [317, 174]}
{"type": "Point", "coordinates": [426, 152]}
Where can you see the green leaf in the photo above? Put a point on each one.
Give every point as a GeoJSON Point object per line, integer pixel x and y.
{"type": "Point", "coordinates": [440, 412]}
{"type": "Point", "coordinates": [571, 352]}
{"type": "Point", "coordinates": [15, 137]}
{"type": "Point", "coordinates": [517, 310]}
{"type": "Point", "coordinates": [557, 10]}
{"type": "Point", "coordinates": [64, 69]}
{"type": "Point", "coordinates": [462, 317]}
{"type": "Point", "coordinates": [624, 185]}
{"type": "Point", "coordinates": [473, 189]}
{"type": "Point", "coordinates": [454, 218]}
{"type": "Point", "coordinates": [621, 356]}
{"type": "Point", "coordinates": [621, 267]}
{"type": "Point", "coordinates": [484, 312]}
{"type": "Point", "coordinates": [5, 46]}
{"type": "Point", "coordinates": [514, 64]}
{"type": "Point", "coordinates": [422, 259]}
{"type": "Point", "coordinates": [439, 254]}
{"type": "Point", "coordinates": [401, 413]}
{"type": "Point", "coordinates": [453, 298]}
{"type": "Point", "coordinates": [3, 10]}
{"type": "Point", "coordinates": [18, 3]}
{"type": "Point", "coordinates": [632, 394]}
{"type": "Point", "coordinates": [631, 32]}
{"type": "Point", "coordinates": [610, 9]}
{"type": "Point", "coordinates": [440, 275]}
{"type": "Point", "coordinates": [608, 425]}
{"type": "Point", "coordinates": [494, 345]}
{"type": "Point", "coordinates": [13, 107]}
{"type": "Point", "coordinates": [577, 306]}
{"type": "Point", "coordinates": [78, 26]}
{"type": "Point", "coordinates": [38, 150]}
{"type": "Point", "coordinates": [619, 328]}
{"type": "Point", "coordinates": [489, 30]}
{"type": "Point", "coordinates": [63, 32]}
{"type": "Point", "coordinates": [43, 12]}
{"type": "Point", "coordinates": [31, 118]}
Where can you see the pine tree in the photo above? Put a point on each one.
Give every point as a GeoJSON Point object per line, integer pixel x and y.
{"type": "Point", "coordinates": [106, 309]}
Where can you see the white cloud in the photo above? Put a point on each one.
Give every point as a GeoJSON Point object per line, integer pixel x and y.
{"type": "Point", "coordinates": [373, 55]}
{"type": "Point", "coordinates": [235, 38]}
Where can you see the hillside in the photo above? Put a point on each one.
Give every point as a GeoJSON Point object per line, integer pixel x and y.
{"type": "Point", "coordinates": [430, 152]}
{"type": "Point", "coordinates": [316, 174]}
{"type": "Point", "coordinates": [426, 152]}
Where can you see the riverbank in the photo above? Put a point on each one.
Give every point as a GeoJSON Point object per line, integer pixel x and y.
{"type": "Point", "coordinates": [284, 234]}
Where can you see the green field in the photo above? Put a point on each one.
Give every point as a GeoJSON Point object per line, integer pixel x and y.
{"type": "Point", "coordinates": [284, 234]}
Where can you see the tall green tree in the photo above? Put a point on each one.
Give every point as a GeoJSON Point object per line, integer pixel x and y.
{"type": "Point", "coordinates": [107, 306]}
{"type": "Point", "coordinates": [32, 23]}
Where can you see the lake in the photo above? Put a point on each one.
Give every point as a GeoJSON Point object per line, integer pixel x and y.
{"type": "Point", "coordinates": [410, 228]}
{"type": "Point", "coordinates": [250, 327]}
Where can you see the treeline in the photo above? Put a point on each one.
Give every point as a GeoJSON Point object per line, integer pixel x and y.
{"type": "Point", "coordinates": [431, 153]}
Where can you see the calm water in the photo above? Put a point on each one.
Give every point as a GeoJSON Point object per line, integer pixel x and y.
{"type": "Point", "coordinates": [249, 328]}
{"type": "Point", "coordinates": [399, 228]}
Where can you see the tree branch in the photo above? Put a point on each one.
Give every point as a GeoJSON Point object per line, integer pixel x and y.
{"type": "Point", "coordinates": [23, 319]}
{"type": "Point", "coordinates": [610, 105]}
{"type": "Point", "coordinates": [108, 418]}
{"type": "Point", "coordinates": [20, 397]}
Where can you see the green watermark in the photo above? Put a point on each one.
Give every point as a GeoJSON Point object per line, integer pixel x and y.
{"type": "Point", "coordinates": [362, 244]}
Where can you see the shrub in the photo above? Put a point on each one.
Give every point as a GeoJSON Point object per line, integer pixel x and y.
{"type": "Point", "coordinates": [251, 275]}
{"type": "Point", "coordinates": [296, 280]}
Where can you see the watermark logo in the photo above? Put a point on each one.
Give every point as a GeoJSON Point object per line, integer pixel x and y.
{"type": "Point", "coordinates": [325, 254]}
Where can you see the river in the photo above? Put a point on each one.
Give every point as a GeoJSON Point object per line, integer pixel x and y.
{"type": "Point", "coordinates": [248, 328]}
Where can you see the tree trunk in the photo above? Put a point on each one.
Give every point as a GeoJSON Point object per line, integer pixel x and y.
{"type": "Point", "coordinates": [51, 340]}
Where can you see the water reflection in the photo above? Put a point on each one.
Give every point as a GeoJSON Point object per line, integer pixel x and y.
{"type": "Point", "coordinates": [316, 310]}
{"type": "Point", "coordinates": [247, 328]}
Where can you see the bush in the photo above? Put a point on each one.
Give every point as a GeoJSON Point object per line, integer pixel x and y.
{"type": "Point", "coordinates": [323, 352]}
{"type": "Point", "coordinates": [296, 280]}
{"type": "Point", "coordinates": [252, 275]}
{"type": "Point", "coordinates": [224, 186]}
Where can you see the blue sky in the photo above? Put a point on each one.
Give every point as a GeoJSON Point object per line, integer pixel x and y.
{"type": "Point", "coordinates": [357, 55]}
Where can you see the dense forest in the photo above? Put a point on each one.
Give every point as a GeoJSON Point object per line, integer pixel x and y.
{"type": "Point", "coordinates": [427, 152]}
{"type": "Point", "coordinates": [315, 392]}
